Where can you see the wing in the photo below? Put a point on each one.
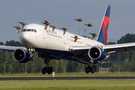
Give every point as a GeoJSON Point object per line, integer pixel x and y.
{"type": "Point", "coordinates": [120, 47]}
{"type": "Point", "coordinates": [10, 48]}
{"type": "Point", "coordinates": [78, 50]}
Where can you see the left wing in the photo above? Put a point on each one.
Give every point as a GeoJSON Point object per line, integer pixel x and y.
{"type": "Point", "coordinates": [119, 47]}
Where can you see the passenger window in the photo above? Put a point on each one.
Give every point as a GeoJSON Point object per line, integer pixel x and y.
{"type": "Point", "coordinates": [28, 29]}
{"type": "Point", "coordinates": [23, 30]}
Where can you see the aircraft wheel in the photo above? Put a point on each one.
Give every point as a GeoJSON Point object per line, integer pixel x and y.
{"type": "Point", "coordinates": [93, 69]}
{"type": "Point", "coordinates": [88, 69]}
{"type": "Point", "coordinates": [50, 70]}
{"type": "Point", "coordinates": [44, 70]}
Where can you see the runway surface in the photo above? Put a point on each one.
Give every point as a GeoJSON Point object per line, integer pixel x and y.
{"type": "Point", "coordinates": [61, 78]}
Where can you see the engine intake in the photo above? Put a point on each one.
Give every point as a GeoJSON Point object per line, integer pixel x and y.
{"type": "Point", "coordinates": [21, 55]}
{"type": "Point", "coordinates": [96, 53]}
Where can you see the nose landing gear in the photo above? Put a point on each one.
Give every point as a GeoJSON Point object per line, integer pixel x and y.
{"type": "Point", "coordinates": [31, 50]}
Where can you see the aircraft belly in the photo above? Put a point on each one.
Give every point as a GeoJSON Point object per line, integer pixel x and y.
{"type": "Point", "coordinates": [57, 54]}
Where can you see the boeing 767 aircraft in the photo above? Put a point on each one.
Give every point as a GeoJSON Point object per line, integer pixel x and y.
{"type": "Point", "coordinates": [51, 43]}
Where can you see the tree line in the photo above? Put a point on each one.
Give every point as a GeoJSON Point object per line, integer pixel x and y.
{"type": "Point", "coordinates": [124, 61]}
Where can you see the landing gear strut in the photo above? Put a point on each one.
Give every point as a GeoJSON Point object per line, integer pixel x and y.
{"type": "Point", "coordinates": [47, 69]}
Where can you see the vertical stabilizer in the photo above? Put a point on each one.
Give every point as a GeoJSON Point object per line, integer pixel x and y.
{"type": "Point", "coordinates": [103, 32]}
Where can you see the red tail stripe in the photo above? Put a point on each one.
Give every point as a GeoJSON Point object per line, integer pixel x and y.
{"type": "Point", "coordinates": [104, 26]}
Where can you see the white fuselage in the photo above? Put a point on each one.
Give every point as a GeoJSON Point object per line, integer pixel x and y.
{"type": "Point", "coordinates": [54, 40]}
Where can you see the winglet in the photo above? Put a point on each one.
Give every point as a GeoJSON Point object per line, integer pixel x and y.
{"type": "Point", "coordinates": [103, 32]}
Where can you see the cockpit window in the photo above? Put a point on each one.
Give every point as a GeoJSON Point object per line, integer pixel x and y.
{"type": "Point", "coordinates": [33, 30]}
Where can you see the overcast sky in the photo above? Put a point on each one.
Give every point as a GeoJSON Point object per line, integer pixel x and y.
{"type": "Point", "coordinates": [62, 13]}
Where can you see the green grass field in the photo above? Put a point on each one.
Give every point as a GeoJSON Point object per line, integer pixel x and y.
{"type": "Point", "coordinates": [75, 74]}
{"type": "Point", "coordinates": [68, 85]}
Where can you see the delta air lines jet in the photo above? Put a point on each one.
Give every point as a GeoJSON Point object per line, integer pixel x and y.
{"type": "Point", "coordinates": [51, 43]}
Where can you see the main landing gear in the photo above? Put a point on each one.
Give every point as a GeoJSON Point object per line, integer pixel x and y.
{"type": "Point", "coordinates": [91, 68]}
{"type": "Point", "coordinates": [47, 69]}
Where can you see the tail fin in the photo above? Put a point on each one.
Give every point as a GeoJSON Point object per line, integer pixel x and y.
{"type": "Point", "coordinates": [103, 32]}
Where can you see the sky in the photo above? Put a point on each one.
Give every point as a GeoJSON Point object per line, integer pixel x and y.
{"type": "Point", "coordinates": [62, 13]}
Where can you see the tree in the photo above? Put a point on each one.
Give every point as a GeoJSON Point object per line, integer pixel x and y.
{"type": "Point", "coordinates": [125, 60]}
{"type": "Point", "coordinates": [60, 68]}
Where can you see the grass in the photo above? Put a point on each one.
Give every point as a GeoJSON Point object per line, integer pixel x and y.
{"type": "Point", "coordinates": [68, 85]}
{"type": "Point", "coordinates": [75, 74]}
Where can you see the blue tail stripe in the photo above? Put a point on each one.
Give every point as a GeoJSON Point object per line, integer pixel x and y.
{"type": "Point", "coordinates": [108, 11]}
{"type": "Point", "coordinates": [100, 37]}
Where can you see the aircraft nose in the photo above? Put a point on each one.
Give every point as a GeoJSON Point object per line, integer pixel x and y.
{"type": "Point", "coordinates": [25, 38]}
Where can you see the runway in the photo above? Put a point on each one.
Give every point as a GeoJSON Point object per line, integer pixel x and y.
{"type": "Point", "coordinates": [61, 78]}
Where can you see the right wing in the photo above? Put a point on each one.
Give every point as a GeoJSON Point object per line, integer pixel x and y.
{"type": "Point", "coordinates": [10, 48]}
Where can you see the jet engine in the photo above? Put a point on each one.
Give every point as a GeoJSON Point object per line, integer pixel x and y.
{"type": "Point", "coordinates": [97, 53]}
{"type": "Point", "coordinates": [21, 55]}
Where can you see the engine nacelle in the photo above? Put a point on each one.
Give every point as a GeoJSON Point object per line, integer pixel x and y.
{"type": "Point", "coordinates": [96, 53]}
{"type": "Point", "coordinates": [21, 55]}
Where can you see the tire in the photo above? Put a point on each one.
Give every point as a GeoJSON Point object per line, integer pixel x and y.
{"type": "Point", "coordinates": [88, 69]}
{"type": "Point", "coordinates": [93, 69]}
{"type": "Point", "coordinates": [44, 70]}
{"type": "Point", "coordinates": [50, 70]}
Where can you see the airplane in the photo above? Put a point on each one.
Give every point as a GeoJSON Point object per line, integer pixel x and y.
{"type": "Point", "coordinates": [54, 45]}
